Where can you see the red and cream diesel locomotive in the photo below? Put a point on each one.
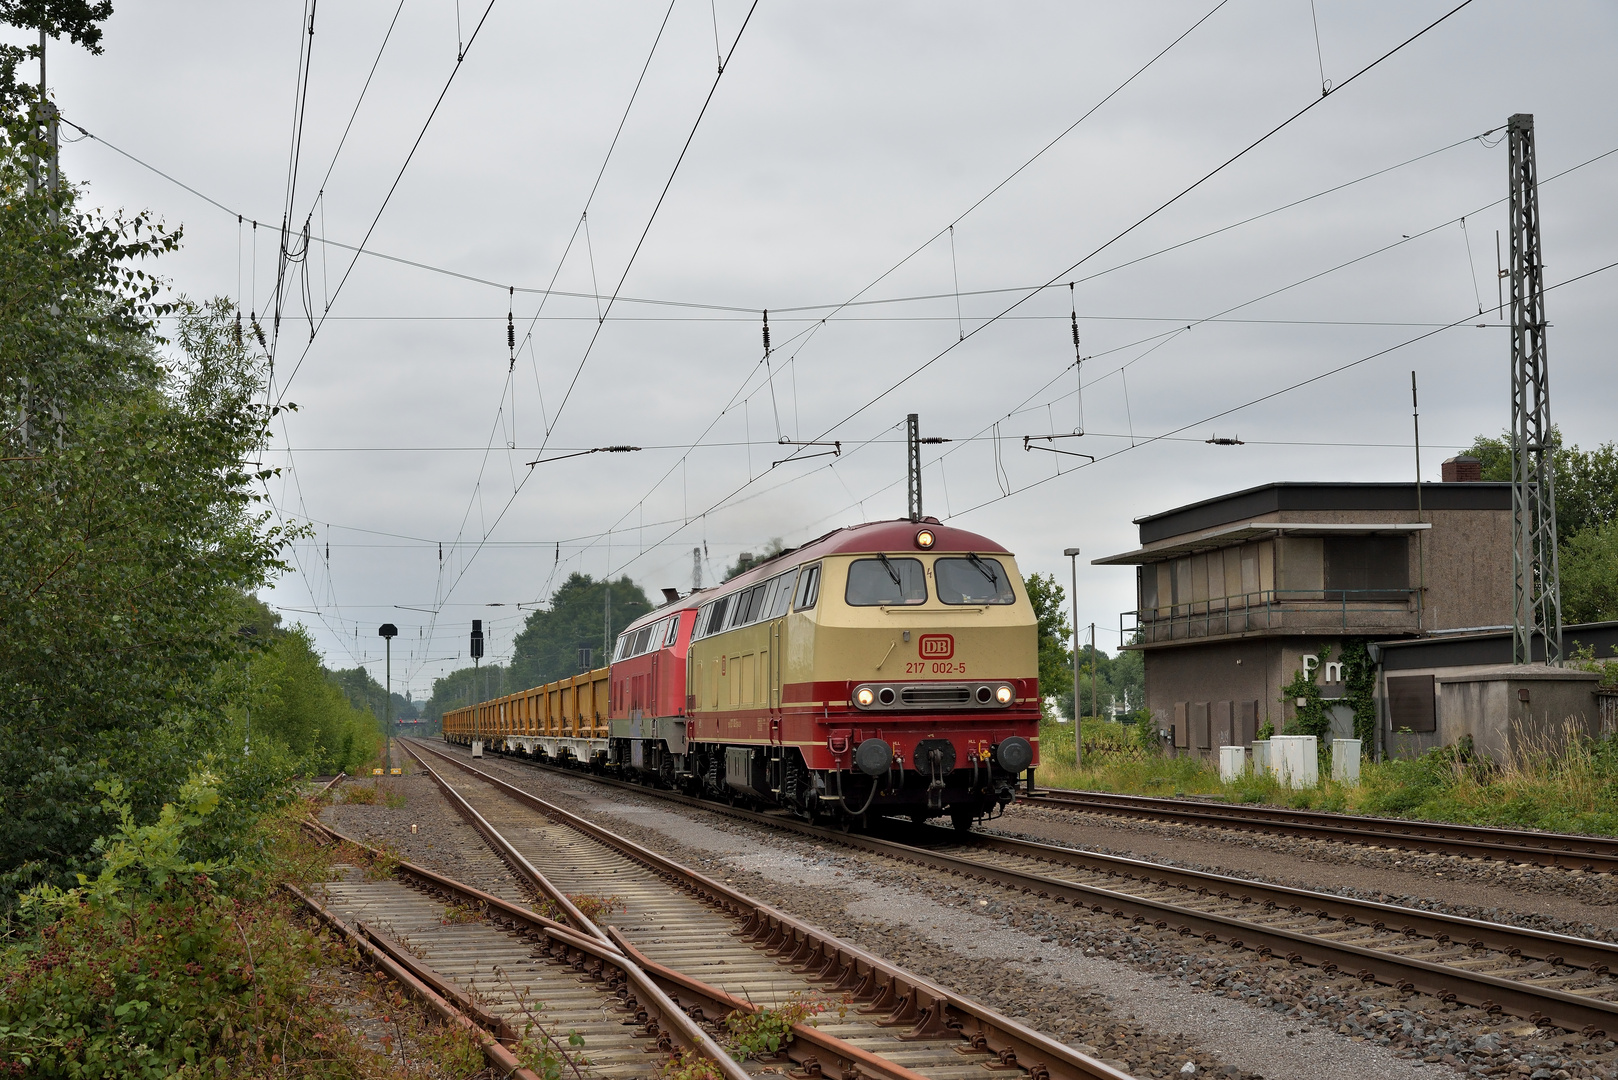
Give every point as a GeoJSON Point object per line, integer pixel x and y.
{"type": "Point", "coordinates": [889, 668]}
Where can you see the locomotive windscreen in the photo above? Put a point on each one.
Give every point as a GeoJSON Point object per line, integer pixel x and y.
{"type": "Point", "coordinates": [873, 582]}
{"type": "Point", "coordinates": [973, 581]}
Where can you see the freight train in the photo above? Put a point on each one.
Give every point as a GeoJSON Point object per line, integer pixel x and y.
{"type": "Point", "coordinates": [883, 669]}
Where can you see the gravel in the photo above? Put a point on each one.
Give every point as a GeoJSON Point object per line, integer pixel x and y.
{"type": "Point", "coordinates": [442, 841]}
{"type": "Point", "coordinates": [1151, 1002]}
{"type": "Point", "coordinates": [1540, 898]}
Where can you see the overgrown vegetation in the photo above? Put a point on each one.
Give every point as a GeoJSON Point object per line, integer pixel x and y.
{"type": "Point", "coordinates": [135, 529]}
{"type": "Point", "coordinates": [1567, 783]}
{"type": "Point", "coordinates": [759, 1035]}
{"type": "Point", "coordinates": [173, 959]}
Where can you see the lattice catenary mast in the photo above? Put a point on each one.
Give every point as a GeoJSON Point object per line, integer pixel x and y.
{"type": "Point", "coordinates": [1536, 605]}
{"type": "Point", "coordinates": [913, 456]}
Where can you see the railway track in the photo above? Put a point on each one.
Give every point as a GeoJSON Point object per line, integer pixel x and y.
{"type": "Point", "coordinates": [1552, 979]}
{"type": "Point", "coordinates": [1597, 854]}
{"type": "Point", "coordinates": [508, 974]}
{"type": "Point", "coordinates": [709, 944]}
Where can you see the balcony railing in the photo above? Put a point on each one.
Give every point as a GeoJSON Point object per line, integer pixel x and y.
{"type": "Point", "coordinates": [1346, 610]}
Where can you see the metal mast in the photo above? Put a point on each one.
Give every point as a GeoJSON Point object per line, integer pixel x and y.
{"type": "Point", "coordinates": [913, 455]}
{"type": "Point", "coordinates": [1537, 592]}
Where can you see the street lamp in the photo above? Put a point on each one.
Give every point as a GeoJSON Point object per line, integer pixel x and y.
{"type": "Point", "coordinates": [388, 632]}
{"type": "Point", "coordinates": [477, 663]}
{"type": "Point", "coordinates": [1078, 734]}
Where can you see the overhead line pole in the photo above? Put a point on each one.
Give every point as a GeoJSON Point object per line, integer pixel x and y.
{"type": "Point", "coordinates": [1536, 606]}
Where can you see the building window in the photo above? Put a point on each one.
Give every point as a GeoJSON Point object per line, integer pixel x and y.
{"type": "Point", "coordinates": [1411, 703]}
{"type": "Point", "coordinates": [1368, 567]}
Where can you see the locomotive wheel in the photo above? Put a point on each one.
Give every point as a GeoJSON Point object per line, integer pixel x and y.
{"type": "Point", "coordinates": [962, 820]}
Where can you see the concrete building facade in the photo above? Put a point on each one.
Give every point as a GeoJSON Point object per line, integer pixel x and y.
{"type": "Point", "coordinates": [1439, 690]}
{"type": "Point", "coordinates": [1237, 593]}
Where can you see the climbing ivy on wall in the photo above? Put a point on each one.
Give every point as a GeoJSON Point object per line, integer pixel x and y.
{"type": "Point", "coordinates": [1359, 684]}
{"type": "Point", "coordinates": [1310, 717]}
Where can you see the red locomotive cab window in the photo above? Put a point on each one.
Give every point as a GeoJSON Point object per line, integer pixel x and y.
{"type": "Point", "coordinates": [673, 632]}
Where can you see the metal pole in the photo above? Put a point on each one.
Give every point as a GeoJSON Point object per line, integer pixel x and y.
{"type": "Point", "coordinates": [1537, 590]}
{"type": "Point", "coordinates": [913, 464]}
{"type": "Point", "coordinates": [1421, 546]}
{"type": "Point", "coordinates": [387, 706]}
{"type": "Point", "coordinates": [1078, 727]}
{"type": "Point", "coordinates": [1094, 710]}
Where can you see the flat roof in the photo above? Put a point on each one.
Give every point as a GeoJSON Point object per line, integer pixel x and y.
{"type": "Point", "coordinates": [1283, 496]}
{"type": "Point", "coordinates": [1253, 530]}
{"type": "Point", "coordinates": [1490, 646]}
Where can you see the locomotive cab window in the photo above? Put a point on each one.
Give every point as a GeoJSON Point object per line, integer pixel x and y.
{"type": "Point", "coordinates": [808, 588]}
{"type": "Point", "coordinates": [673, 632]}
{"type": "Point", "coordinates": [973, 580]}
{"type": "Point", "coordinates": [882, 582]}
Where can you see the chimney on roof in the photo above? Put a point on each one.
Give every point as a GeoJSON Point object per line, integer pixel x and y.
{"type": "Point", "coordinates": [1462, 469]}
{"type": "Point", "coordinates": [670, 595]}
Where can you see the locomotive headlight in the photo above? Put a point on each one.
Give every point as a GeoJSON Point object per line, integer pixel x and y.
{"type": "Point", "coordinates": [925, 539]}
{"type": "Point", "coordinates": [864, 696]}
{"type": "Point", "coordinates": [1004, 694]}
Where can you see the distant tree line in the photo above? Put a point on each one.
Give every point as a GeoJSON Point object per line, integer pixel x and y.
{"type": "Point", "coordinates": [1103, 680]}
{"type": "Point", "coordinates": [1586, 520]}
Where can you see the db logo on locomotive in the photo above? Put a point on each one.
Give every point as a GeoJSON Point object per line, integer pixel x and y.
{"type": "Point", "coordinates": [936, 646]}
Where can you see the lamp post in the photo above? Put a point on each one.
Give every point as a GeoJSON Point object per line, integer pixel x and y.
{"type": "Point", "coordinates": [477, 665]}
{"type": "Point", "coordinates": [388, 632]}
{"type": "Point", "coordinates": [1078, 733]}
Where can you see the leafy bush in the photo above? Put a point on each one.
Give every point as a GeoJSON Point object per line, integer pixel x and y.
{"type": "Point", "coordinates": [150, 967]}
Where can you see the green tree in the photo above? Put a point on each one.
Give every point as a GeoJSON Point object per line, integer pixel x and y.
{"type": "Point", "coordinates": [365, 693]}
{"type": "Point", "coordinates": [1055, 661]}
{"type": "Point", "coordinates": [1586, 480]}
{"type": "Point", "coordinates": [468, 686]}
{"type": "Point", "coordinates": [1120, 679]}
{"type": "Point", "coordinates": [548, 646]}
{"type": "Point", "coordinates": [1590, 575]}
{"type": "Point", "coordinates": [1586, 520]}
{"type": "Point", "coordinates": [75, 19]}
{"type": "Point", "coordinates": [130, 519]}
{"type": "Point", "coordinates": [292, 700]}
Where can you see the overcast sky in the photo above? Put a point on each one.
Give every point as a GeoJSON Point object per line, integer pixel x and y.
{"type": "Point", "coordinates": [840, 139]}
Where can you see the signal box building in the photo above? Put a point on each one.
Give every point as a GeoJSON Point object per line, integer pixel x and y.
{"type": "Point", "coordinates": [1237, 593]}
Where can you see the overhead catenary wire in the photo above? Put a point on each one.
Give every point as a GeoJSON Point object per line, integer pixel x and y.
{"type": "Point", "coordinates": [1293, 117]}
{"type": "Point", "coordinates": [835, 309]}
{"type": "Point", "coordinates": [628, 266]}
{"type": "Point", "coordinates": [1248, 148]}
{"type": "Point", "coordinates": [1287, 389]}
{"type": "Point", "coordinates": [744, 312]}
{"type": "Point", "coordinates": [393, 187]}
{"type": "Point", "coordinates": [528, 337]}
{"type": "Point", "coordinates": [1175, 198]}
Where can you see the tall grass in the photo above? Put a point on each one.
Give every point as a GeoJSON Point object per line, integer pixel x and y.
{"type": "Point", "coordinates": [1564, 781]}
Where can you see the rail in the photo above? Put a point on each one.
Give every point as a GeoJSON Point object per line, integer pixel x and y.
{"type": "Point", "coordinates": [1591, 854]}
{"type": "Point", "coordinates": [1573, 1011]}
{"type": "Point", "coordinates": [904, 999]}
